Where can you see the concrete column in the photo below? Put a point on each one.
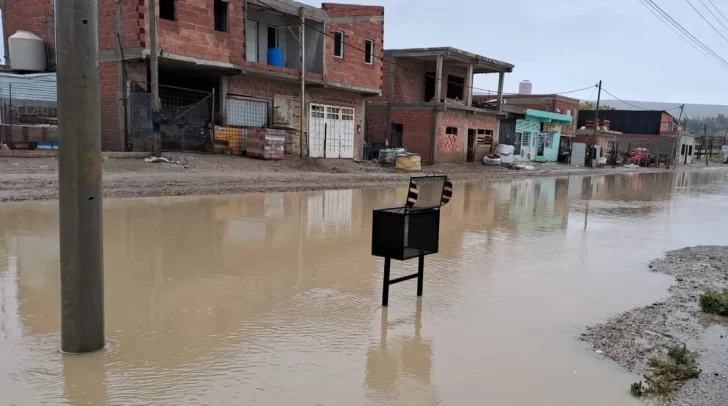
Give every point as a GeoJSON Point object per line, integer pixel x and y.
{"type": "Point", "coordinates": [79, 173]}
{"type": "Point", "coordinates": [390, 97]}
{"type": "Point", "coordinates": [501, 77]}
{"type": "Point", "coordinates": [222, 99]}
{"type": "Point", "coordinates": [469, 87]}
{"type": "Point", "coordinates": [439, 83]}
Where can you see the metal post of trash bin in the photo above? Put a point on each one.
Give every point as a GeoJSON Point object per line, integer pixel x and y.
{"type": "Point", "coordinates": [420, 274]}
{"type": "Point", "coordinates": [385, 284]}
{"type": "Point", "coordinates": [410, 231]}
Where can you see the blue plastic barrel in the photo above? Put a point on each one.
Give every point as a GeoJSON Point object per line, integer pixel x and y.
{"type": "Point", "coordinates": [275, 57]}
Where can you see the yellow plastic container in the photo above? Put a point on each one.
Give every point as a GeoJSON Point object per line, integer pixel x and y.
{"type": "Point", "coordinates": [408, 163]}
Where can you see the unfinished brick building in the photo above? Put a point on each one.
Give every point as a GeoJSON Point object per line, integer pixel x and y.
{"type": "Point", "coordinates": [221, 49]}
{"type": "Point", "coordinates": [427, 105]}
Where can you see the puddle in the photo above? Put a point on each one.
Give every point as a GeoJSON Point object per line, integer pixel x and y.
{"type": "Point", "coordinates": [274, 298]}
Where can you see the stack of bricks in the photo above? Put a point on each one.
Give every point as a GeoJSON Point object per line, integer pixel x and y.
{"type": "Point", "coordinates": [266, 143]}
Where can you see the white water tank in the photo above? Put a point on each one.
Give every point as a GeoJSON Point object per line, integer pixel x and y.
{"type": "Point", "coordinates": [525, 87]}
{"type": "Point", "coordinates": [27, 52]}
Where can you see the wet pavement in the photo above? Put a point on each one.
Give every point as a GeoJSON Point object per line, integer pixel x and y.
{"type": "Point", "coordinates": [274, 298]}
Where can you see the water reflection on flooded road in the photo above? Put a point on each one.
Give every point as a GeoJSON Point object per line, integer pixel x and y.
{"type": "Point", "coordinates": [274, 298]}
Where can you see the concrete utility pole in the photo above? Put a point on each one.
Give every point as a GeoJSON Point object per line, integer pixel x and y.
{"type": "Point", "coordinates": [677, 137]}
{"type": "Point", "coordinates": [79, 167]}
{"type": "Point", "coordinates": [302, 38]}
{"type": "Point", "coordinates": [596, 126]}
{"type": "Point", "coordinates": [154, 71]}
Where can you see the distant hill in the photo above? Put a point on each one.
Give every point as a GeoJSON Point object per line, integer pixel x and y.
{"type": "Point", "coordinates": [691, 110]}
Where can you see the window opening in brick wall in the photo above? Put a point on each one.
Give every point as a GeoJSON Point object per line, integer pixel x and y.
{"type": "Point", "coordinates": [451, 131]}
{"type": "Point", "coordinates": [525, 139]}
{"type": "Point", "coordinates": [339, 44]}
{"type": "Point", "coordinates": [430, 79]}
{"type": "Point", "coordinates": [247, 112]}
{"type": "Point", "coordinates": [369, 54]}
{"type": "Point", "coordinates": [272, 37]}
{"type": "Point", "coordinates": [221, 15]}
{"type": "Point", "coordinates": [455, 87]}
{"type": "Point", "coordinates": [168, 9]}
{"type": "Point", "coordinates": [484, 137]}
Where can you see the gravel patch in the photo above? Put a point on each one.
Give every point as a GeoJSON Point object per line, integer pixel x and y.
{"type": "Point", "coordinates": [634, 337]}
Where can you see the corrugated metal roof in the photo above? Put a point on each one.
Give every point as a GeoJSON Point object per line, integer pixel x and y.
{"type": "Point", "coordinates": [37, 86]}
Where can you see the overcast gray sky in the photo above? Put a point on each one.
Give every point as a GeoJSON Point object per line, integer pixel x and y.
{"type": "Point", "coordinates": [562, 45]}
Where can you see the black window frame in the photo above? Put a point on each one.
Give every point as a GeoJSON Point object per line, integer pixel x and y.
{"type": "Point", "coordinates": [339, 43]}
{"type": "Point", "coordinates": [451, 130]}
{"type": "Point", "coordinates": [369, 52]}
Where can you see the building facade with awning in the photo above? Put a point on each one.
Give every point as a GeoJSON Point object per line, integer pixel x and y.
{"type": "Point", "coordinates": [537, 134]}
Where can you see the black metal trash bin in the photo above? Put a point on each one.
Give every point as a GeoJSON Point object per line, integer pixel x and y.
{"type": "Point", "coordinates": [412, 230]}
{"type": "Point", "coordinates": [402, 234]}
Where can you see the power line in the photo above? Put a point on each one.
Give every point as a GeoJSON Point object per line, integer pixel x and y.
{"type": "Point", "coordinates": [671, 22]}
{"type": "Point", "coordinates": [718, 10]}
{"type": "Point", "coordinates": [399, 66]}
{"type": "Point", "coordinates": [679, 34]}
{"type": "Point", "coordinates": [713, 14]}
{"type": "Point", "coordinates": [633, 105]}
{"type": "Point", "coordinates": [706, 20]}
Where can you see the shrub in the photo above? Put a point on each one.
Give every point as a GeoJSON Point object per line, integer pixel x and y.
{"type": "Point", "coordinates": [668, 373]}
{"type": "Point", "coordinates": [715, 302]}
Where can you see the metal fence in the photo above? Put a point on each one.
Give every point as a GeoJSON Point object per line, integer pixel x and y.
{"type": "Point", "coordinates": [186, 119]}
{"type": "Point", "coordinates": [28, 115]}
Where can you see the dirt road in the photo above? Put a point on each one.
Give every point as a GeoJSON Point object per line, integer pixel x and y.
{"type": "Point", "coordinates": [37, 178]}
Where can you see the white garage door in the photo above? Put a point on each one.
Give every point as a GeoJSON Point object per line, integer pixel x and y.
{"type": "Point", "coordinates": [330, 131]}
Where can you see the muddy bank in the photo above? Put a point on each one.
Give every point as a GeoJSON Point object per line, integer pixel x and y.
{"type": "Point", "coordinates": [634, 337]}
{"type": "Point", "coordinates": [191, 174]}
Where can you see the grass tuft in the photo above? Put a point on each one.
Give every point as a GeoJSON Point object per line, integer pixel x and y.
{"type": "Point", "coordinates": [668, 374]}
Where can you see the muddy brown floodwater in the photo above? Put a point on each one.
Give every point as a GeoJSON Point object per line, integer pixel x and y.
{"type": "Point", "coordinates": [274, 298]}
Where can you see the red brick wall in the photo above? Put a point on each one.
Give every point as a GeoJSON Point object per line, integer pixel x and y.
{"type": "Point", "coordinates": [132, 25]}
{"type": "Point", "coordinates": [37, 16]}
{"type": "Point", "coordinates": [351, 69]}
{"type": "Point", "coordinates": [486, 123]}
{"type": "Point", "coordinates": [111, 138]}
{"type": "Point", "coordinates": [243, 85]}
{"type": "Point", "coordinates": [668, 124]}
{"type": "Point", "coordinates": [416, 131]}
{"type": "Point", "coordinates": [376, 124]}
{"type": "Point", "coordinates": [416, 127]}
{"type": "Point", "coordinates": [193, 33]}
{"type": "Point", "coordinates": [452, 148]}
{"type": "Point", "coordinates": [409, 82]}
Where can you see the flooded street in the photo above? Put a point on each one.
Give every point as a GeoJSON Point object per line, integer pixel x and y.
{"type": "Point", "coordinates": [274, 299]}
